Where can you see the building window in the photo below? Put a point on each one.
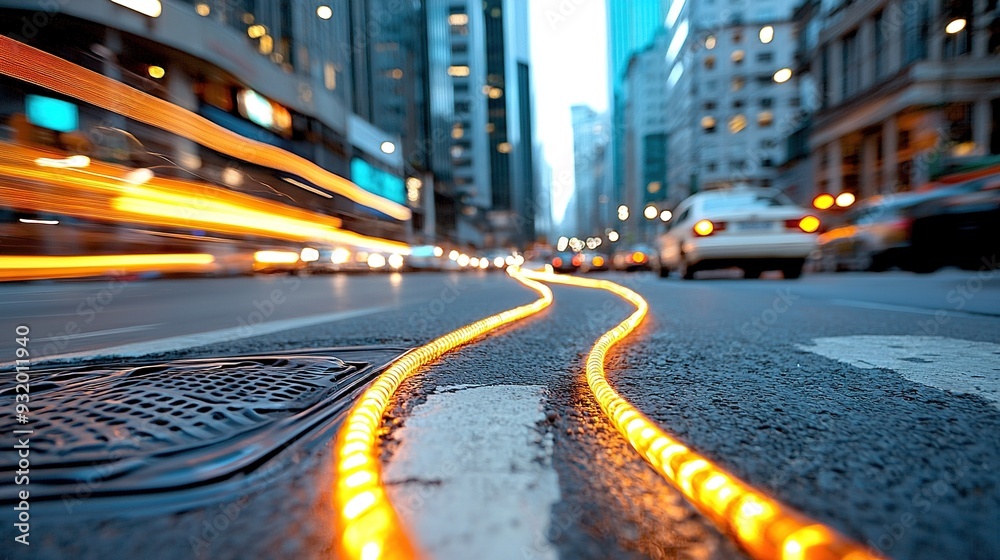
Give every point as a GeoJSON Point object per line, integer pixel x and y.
{"type": "Point", "coordinates": [458, 71]}
{"type": "Point", "coordinates": [711, 166]}
{"type": "Point", "coordinates": [765, 57]}
{"type": "Point", "coordinates": [710, 42]}
{"type": "Point", "coordinates": [851, 65]}
{"type": "Point", "coordinates": [916, 29]}
{"type": "Point", "coordinates": [709, 62]}
{"type": "Point", "coordinates": [737, 123]}
{"type": "Point", "coordinates": [738, 103]}
{"type": "Point", "coordinates": [880, 55]}
{"type": "Point", "coordinates": [736, 165]}
{"type": "Point", "coordinates": [737, 36]}
{"type": "Point", "coordinates": [766, 102]}
{"type": "Point", "coordinates": [710, 105]}
{"type": "Point", "coordinates": [737, 56]}
{"type": "Point", "coordinates": [708, 124]}
{"type": "Point", "coordinates": [765, 119]}
{"type": "Point", "coordinates": [738, 83]}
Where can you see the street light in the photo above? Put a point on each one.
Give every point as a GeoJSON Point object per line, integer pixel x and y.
{"type": "Point", "coordinates": [650, 212]}
{"type": "Point", "coordinates": [324, 12]}
{"type": "Point", "coordinates": [955, 26]}
{"type": "Point", "coordinates": [613, 236]}
{"type": "Point", "coordinates": [666, 215]}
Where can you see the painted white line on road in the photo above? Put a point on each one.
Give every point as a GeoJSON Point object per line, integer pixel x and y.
{"type": "Point", "coordinates": [473, 477]}
{"type": "Point", "coordinates": [183, 342]}
{"type": "Point", "coordinates": [99, 333]}
{"type": "Point", "coordinates": [961, 366]}
{"type": "Point", "coordinates": [905, 308]}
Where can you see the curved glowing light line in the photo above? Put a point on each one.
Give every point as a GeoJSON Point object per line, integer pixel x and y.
{"type": "Point", "coordinates": [368, 524]}
{"type": "Point", "coordinates": [763, 526]}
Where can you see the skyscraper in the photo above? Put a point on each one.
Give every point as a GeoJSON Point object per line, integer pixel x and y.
{"type": "Point", "coordinates": [491, 135]}
{"type": "Point", "coordinates": [631, 27]}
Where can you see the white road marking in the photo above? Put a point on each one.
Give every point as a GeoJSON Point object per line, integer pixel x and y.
{"type": "Point", "coordinates": [905, 308]}
{"type": "Point", "coordinates": [99, 333]}
{"type": "Point", "coordinates": [183, 342]}
{"type": "Point", "coordinates": [961, 366]}
{"type": "Point", "coordinates": [473, 475]}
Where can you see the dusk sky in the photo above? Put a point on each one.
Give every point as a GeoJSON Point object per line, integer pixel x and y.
{"type": "Point", "coordinates": [569, 54]}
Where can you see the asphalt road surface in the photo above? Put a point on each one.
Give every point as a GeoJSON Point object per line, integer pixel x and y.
{"type": "Point", "coordinates": [870, 402]}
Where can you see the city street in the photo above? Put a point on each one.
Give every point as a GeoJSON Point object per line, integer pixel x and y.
{"type": "Point", "coordinates": [869, 402]}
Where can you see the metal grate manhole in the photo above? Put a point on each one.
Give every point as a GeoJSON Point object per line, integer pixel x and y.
{"type": "Point", "coordinates": [150, 426]}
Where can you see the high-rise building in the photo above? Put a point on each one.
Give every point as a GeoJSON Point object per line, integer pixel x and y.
{"type": "Point", "coordinates": [591, 198]}
{"type": "Point", "coordinates": [631, 28]}
{"type": "Point", "coordinates": [902, 87]}
{"type": "Point", "coordinates": [492, 150]}
{"type": "Point", "coordinates": [708, 102]}
{"type": "Point", "coordinates": [279, 73]}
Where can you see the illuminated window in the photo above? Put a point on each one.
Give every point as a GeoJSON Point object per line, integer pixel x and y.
{"type": "Point", "coordinates": [737, 83]}
{"type": "Point", "coordinates": [737, 56]}
{"type": "Point", "coordinates": [766, 34]}
{"type": "Point", "coordinates": [458, 19]}
{"type": "Point", "coordinates": [504, 147]}
{"type": "Point", "coordinates": [330, 76]}
{"type": "Point", "coordinates": [765, 118]}
{"type": "Point", "coordinates": [458, 71]}
{"type": "Point", "coordinates": [737, 123]}
{"type": "Point", "coordinates": [710, 42]}
{"type": "Point", "coordinates": [396, 74]}
{"type": "Point", "coordinates": [708, 123]}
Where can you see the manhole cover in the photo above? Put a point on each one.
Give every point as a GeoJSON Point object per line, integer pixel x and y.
{"type": "Point", "coordinates": [155, 426]}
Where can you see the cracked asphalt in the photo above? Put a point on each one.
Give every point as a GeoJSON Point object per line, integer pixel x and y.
{"type": "Point", "coordinates": [723, 364]}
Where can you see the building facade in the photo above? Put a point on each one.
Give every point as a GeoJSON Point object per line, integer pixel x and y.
{"type": "Point", "coordinates": [591, 203]}
{"type": "Point", "coordinates": [709, 102]}
{"type": "Point", "coordinates": [902, 86]}
{"type": "Point", "coordinates": [283, 74]}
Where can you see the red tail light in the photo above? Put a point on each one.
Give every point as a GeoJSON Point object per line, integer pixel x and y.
{"type": "Point", "coordinates": [557, 262]}
{"type": "Point", "coordinates": [577, 260]}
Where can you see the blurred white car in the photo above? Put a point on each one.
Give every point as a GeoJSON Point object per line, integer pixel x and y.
{"type": "Point", "coordinates": [755, 229]}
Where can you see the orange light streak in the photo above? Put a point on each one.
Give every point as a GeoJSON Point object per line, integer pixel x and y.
{"type": "Point", "coordinates": [368, 524]}
{"type": "Point", "coordinates": [43, 69]}
{"type": "Point", "coordinates": [46, 267]}
{"type": "Point", "coordinates": [764, 527]}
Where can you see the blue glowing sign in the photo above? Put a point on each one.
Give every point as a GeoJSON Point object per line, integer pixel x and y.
{"type": "Point", "coordinates": [52, 113]}
{"type": "Point", "coordinates": [378, 182]}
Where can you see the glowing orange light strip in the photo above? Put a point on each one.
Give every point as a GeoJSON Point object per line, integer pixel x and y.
{"type": "Point", "coordinates": [43, 69]}
{"type": "Point", "coordinates": [45, 267]}
{"type": "Point", "coordinates": [763, 526]}
{"type": "Point", "coordinates": [369, 526]}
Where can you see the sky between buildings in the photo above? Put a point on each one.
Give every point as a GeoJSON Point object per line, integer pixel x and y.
{"type": "Point", "coordinates": [569, 55]}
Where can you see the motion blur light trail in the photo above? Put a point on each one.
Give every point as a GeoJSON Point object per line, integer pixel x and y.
{"type": "Point", "coordinates": [369, 526]}
{"type": "Point", "coordinates": [103, 192]}
{"type": "Point", "coordinates": [41, 267]}
{"type": "Point", "coordinates": [764, 527]}
{"type": "Point", "coordinates": [37, 67]}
